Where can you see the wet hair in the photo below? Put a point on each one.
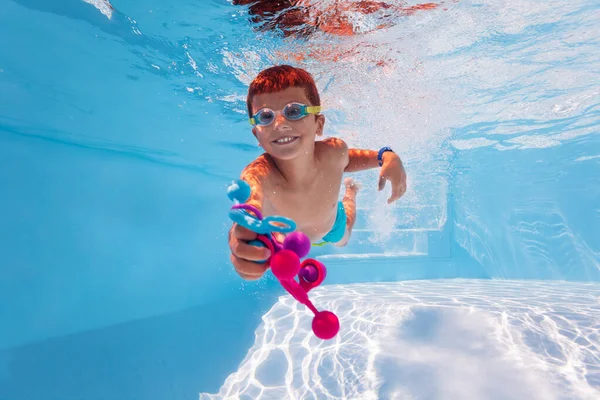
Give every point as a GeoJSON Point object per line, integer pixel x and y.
{"type": "Point", "coordinates": [281, 77]}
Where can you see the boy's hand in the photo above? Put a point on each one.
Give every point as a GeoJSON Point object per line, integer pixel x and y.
{"type": "Point", "coordinates": [393, 171]}
{"type": "Point", "coordinates": [243, 254]}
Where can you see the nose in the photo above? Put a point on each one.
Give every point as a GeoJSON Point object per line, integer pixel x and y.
{"type": "Point", "coordinates": [280, 121]}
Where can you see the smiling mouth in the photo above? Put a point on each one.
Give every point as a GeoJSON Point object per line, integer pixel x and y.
{"type": "Point", "coordinates": [285, 140]}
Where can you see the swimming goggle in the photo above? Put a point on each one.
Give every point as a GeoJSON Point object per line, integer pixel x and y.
{"type": "Point", "coordinates": [292, 112]}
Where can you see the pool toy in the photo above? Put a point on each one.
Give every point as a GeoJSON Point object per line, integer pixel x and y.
{"type": "Point", "coordinates": [285, 257]}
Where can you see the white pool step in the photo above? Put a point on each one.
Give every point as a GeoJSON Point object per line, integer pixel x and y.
{"type": "Point", "coordinates": [407, 218]}
{"type": "Point", "coordinates": [402, 229]}
{"type": "Point", "coordinates": [402, 233]}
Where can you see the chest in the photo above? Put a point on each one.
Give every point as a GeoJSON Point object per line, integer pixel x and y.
{"type": "Point", "coordinates": [310, 204]}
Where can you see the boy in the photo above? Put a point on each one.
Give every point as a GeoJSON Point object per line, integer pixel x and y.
{"type": "Point", "coordinates": [298, 177]}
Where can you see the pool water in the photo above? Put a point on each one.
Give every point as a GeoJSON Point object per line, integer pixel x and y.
{"type": "Point", "coordinates": [120, 129]}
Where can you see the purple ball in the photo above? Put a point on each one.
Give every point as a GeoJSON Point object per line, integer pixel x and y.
{"type": "Point", "coordinates": [297, 242]}
{"type": "Point", "coordinates": [310, 273]}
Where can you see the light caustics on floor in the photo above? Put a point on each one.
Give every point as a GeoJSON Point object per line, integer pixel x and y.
{"type": "Point", "coordinates": [467, 339]}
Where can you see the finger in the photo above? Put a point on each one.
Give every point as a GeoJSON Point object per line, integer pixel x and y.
{"type": "Point", "coordinates": [244, 233]}
{"type": "Point", "coordinates": [398, 190]}
{"type": "Point", "coordinates": [395, 193]}
{"type": "Point", "coordinates": [402, 189]}
{"type": "Point", "coordinates": [246, 251]}
{"type": "Point", "coordinates": [279, 236]}
{"type": "Point", "coordinates": [247, 269]}
{"type": "Point", "coordinates": [249, 277]}
{"type": "Point", "coordinates": [382, 180]}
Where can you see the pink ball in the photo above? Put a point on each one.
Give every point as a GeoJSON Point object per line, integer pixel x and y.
{"type": "Point", "coordinates": [285, 264]}
{"type": "Point", "coordinates": [325, 325]}
{"type": "Point", "coordinates": [297, 242]}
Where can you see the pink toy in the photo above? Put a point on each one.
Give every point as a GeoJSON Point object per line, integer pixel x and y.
{"type": "Point", "coordinates": [285, 265]}
{"type": "Point", "coordinates": [285, 259]}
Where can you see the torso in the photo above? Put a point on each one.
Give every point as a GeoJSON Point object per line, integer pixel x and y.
{"type": "Point", "coordinates": [313, 206]}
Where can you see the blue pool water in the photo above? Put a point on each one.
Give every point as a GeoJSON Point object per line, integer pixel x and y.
{"type": "Point", "coordinates": [121, 129]}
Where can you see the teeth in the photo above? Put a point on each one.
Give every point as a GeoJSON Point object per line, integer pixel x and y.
{"type": "Point", "coordinates": [285, 140]}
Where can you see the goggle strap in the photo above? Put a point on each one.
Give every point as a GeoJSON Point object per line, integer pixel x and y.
{"type": "Point", "coordinates": [313, 109]}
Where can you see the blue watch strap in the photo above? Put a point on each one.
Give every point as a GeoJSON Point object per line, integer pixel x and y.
{"type": "Point", "coordinates": [380, 154]}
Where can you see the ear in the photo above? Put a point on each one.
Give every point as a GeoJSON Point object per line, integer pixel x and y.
{"type": "Point", "coordinates": [320, 124]}
{"type": "Point", "coordinates": [255, 132]}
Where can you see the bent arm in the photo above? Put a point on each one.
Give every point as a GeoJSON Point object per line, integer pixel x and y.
{"type": "Point", "coordinates": [361, 160]}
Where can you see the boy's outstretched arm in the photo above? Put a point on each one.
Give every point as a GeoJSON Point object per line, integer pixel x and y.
{"type": "Point", "coordinates": [254, 175]}
{"type": "Point", "coordinates": [244, 255]}
{"type": "Point", "coordinates": [391, 170]}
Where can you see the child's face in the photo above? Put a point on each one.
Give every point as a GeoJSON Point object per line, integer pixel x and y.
{"type": "Point", "coordinates": [285, 139]}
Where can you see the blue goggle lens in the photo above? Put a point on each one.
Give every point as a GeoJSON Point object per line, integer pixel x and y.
{"type": "Point", "coordinates": [294, 111]}
{"type": "Point", "coordinates": [264, 117]}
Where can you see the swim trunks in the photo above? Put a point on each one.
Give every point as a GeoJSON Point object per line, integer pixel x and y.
{"type": "Point", "coordinates": [339, 227]}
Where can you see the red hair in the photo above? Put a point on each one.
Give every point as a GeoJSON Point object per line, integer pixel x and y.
{"type": "Point", "coordinates": [281, 77]}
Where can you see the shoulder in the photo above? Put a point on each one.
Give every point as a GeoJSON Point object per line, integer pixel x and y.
{"type": "Point", "coordinates": [259, 170]}
{"type": "Point", "coordinates": [334, 149]}
{"type": "Point", "coordinates": [335, 143]}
